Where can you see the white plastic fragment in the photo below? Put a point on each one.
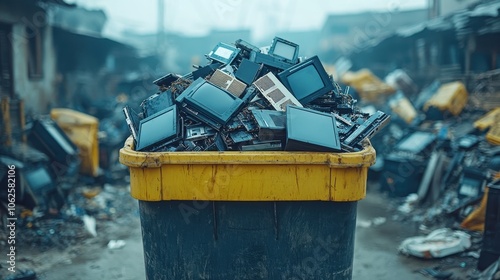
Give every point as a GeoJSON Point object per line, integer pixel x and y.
{"type": "Point", "coordinates": [409, 204]}
{"type": "Point", "coordinates": [90, 224]}
{"type": "Point", "coordinates": [369, 223]}
{"type": "Point", "coordinates": [116, 244]}
{"type": "Point", "coordinates": [379, 220]}
{"type": "Point", "coordinates": [439, 243]}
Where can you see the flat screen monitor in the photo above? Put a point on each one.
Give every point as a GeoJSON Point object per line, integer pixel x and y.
{"type": "Point", "coordinates": [209, 103]}
{"type": "Point", "coordinates": [307, 80]}
{"type": "Point", "coordinates": [285, 50]}
{"type": "Point", "coordinates": [310, 130]}
{"type": "Point", "coordinates": [157, 129]}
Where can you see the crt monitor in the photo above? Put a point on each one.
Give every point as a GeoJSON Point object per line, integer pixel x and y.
{"type": "Point", "coordinates": [285, 50]}
{"type": "Point", "coordinates": [307, 80]}
{"type": "Point", "coordinates": [224, 53]}
{"type": "Point", "coordinates": [213, 105]}
{"type": "Point", "coordinates": [157, 129]}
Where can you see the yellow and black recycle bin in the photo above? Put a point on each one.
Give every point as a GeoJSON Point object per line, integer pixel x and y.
{"type": "Point", "coordinates": [248, 215]}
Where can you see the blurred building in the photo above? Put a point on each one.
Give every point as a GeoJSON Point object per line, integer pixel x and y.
{"type": "Point", "coordinates": [449, 47]}
{"type": "Point", "coordinates": [343, 33]}
{"type": "Point", "coordinates": [446, 7]}
{"type": "Point", "coordinates": [53, 54]}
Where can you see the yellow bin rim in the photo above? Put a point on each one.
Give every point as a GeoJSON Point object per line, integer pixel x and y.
{"type": "Point", "coordinates": [260, 175]}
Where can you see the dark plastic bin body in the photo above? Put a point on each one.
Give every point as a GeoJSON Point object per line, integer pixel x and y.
{"type": "Point", "coordinates": [248, 215]}
{"type": "Point", "coordinates": [248, 240]}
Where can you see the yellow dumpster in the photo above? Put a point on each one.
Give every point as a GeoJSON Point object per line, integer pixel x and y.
{"type": "Point", "coordinates": [82, 129]}
{"type": "Point", "coordinates": [369, 87]}
{"type": "Point", "coordinates": [251, 215]}
{"type": "Point", "coordinates": [450, 97]}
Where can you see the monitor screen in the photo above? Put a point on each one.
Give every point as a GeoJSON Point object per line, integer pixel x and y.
{"type": "Point", "coordinates": [59, 138]}
{"type": "Point", "coordinates": [224, 53]}
{"type": "Point", "coordinates": [416, 142]}
{"type": "Point", "coordinates": [284, 50]}
{"type": "Point", "coordinates": [209, 103]}
{"type": "Point", "coordinates": [157, 128]}
{"type": "Point", "coordinates": [311, 130]}
{"type": "Point", "coordinates": [305, 82]}
{"type": "Point", "coordinates": [213, 98]}
{"type": "Point", "coordinates": [38, 179]}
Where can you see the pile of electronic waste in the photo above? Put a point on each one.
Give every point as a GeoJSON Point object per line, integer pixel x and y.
{"type": "Point", "coordinates": [252, 99]}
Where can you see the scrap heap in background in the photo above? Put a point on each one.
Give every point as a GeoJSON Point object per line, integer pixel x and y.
{"type": "Point", "coordinates": [247, 99]}
{"type": "Point", "coordinates": [441, 151]}
{"type": "Point", "coordinates": [53, 155]}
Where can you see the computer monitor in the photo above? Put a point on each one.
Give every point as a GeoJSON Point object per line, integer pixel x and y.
{"type": "Point", "coordinates": [157, 129]}
{"type": "Point", "coordinates": [209, 103]}
{"type": "Point", "coordinates": [50, 139]}
{"type": "Point", "coordinates": [310, 130]}
{"type": "Point", "coordinates": [307, 80]}
{"type": "Point", "coordinates": [224, 53]}
{"type": "Point", "coordinates": [284, 50]}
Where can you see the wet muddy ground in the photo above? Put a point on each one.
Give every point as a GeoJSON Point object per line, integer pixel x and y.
{"type": "Point", "coordinates": [378, 236]}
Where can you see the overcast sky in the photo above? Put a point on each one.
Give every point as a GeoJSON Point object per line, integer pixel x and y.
{"type": "Point", "coordinates": [196, 17]}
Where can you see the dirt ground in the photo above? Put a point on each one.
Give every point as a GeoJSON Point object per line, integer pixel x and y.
{"type": "Point", "coordinates": [375, 255]}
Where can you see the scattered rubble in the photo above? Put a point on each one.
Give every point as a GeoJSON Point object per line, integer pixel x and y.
{"type": "Point", "coordinates": [439, 243]}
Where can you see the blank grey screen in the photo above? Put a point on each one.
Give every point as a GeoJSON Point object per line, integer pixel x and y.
{"type": "Point", "coordinates": [284, 50]}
